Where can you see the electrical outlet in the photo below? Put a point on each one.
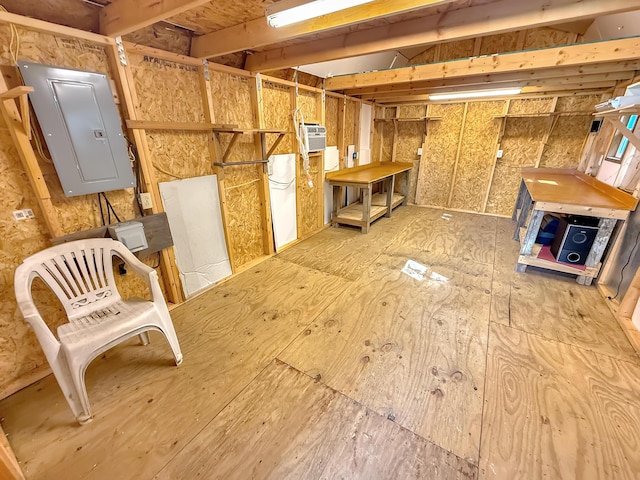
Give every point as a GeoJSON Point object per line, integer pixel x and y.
{"type": "Point", "coordinates": [23, 214]}
{"type": "Point", "coordinates": [420, 152]}
{"type": "Point", "coordinates": [145, 200]}
{"type": "Point", "coordinates": [500, 153]}
{"type": "Point", "coordinates": [355, 155]}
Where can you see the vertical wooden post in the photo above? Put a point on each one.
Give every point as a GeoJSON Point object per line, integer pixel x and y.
{"type": "Point", "coordinates": [321, 109]}
{"type": "Point", "coordinates": [342, 148]}
{"type": "Point", "coordinates": [124, 79]}
{"type": "Point", "coordinates": [395, 134]}
{"type": "Point", "coordinates": [20, 138]}
{"type": "Point", "coordinates": [215, 155]}
{"type": "Point", "coordinates": [259, 142]}
{"type": "Point", "coordinates": [9, 467]}
{"type": "Point", "coordinates": [503, 125]}
{"type": "Point", "coordinates": [356, 127]}
{"type": "Point", "coordinates": [455, 167]}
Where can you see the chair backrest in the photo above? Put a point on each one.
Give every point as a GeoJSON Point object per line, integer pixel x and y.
{"type": "Point", "coordinates": [80, 273]}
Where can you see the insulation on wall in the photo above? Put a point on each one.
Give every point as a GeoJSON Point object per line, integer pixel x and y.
{"type": "Point", "coordinates": [477, 154]}
{"type": "Point", "coordinates": [439, 155]}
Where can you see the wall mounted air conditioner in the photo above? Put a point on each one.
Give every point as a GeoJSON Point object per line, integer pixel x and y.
{"type": "Point", "coordinates": [315, 136]}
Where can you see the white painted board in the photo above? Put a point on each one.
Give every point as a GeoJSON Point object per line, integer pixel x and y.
{"type": "Point", "coordinates": [364, 157]}
{"type": "Point", "coordinates": [331, 164]}
{"type": "Point", "coordinates": [195, 220]}
{"type": "Point", "coordinates": [282, 189]}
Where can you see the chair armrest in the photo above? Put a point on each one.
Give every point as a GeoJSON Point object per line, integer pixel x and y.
{"type": "Point", "coordinates": [143, 270]}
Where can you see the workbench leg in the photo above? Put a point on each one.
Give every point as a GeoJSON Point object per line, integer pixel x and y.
{"type": "Point", "coordinates": [605, 229]}
{"type": "Point", "coordinates": [521, 191]}
{"type": "Point", "coordinates": [525, 206]}
{"type": "Point", "coordinates": [530, 237]}
{"type": "Point", "coordinates": [366, 208]}
{"type": "Point", "coordinates": [390, 185]}
{"type": "Point", "coordinates": [336, 205]}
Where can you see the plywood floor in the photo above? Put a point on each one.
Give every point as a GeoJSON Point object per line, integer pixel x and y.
{"type": "Point", "coordinates": [328, 361]}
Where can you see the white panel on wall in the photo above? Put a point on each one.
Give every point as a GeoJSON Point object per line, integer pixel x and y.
{"type": "Point", "coordinates": [195, 219]}
{"type": "Point", "coordinates": [331, 164]}
{"type": "Point", "coordinates": [365, 127]}
{"type": "Point", "coordinates": [364, 157]}
{"type": "Point", "coordinates": [282, 189]}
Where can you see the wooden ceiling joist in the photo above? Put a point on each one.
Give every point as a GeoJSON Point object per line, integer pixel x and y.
{"type": "Point", "coordinates": [497, 81]}
{"type": "Point", "coordinates": [125, 16]}
{"type": "Point", "coordinates": [257, 33]}
{"type": "Point", "coordinates": [621, 50]}
{"type": "Point", "coordinates": [498, 17]}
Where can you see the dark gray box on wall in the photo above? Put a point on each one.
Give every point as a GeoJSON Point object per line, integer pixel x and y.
{"type": "Point", "coordinates": [82, 128]}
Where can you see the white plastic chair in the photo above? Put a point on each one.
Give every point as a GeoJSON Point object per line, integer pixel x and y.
{"type": "Point", "coordinates": [80, 273]}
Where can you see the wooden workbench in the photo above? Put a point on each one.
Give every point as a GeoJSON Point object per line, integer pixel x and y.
{"type": "Point", "coordinates": [570, 192]}
{"type": "Point", "coordinates": [372, 206]}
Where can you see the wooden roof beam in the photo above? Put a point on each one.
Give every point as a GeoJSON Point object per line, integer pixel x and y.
{"type": "Point", "coordinates": [528, 87]}
{"type": "Point", "coordinates": [548, 58]}
{"type": "Point", "coordinates": [498, 17]}
{"type": "Point", "coordinates": [484, 81]}
{"type": "Point", "coordinates": [125, 16]}
{"type": "Point", "coordinates": [257, 33]}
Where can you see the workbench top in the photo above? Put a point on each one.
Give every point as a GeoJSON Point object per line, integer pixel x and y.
{"type": "Point", "coordinates": [571, 187]}
{"type": "Point", "coordinates": [372, 173]}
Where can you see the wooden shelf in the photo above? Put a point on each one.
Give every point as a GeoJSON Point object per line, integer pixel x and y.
{"type": "Point", "coordinates": [184, 126]}
{"type": "Point", "coordinates": [543, 115]}
{"type": "Point", "coordinates": [414, 119]}
{"type": "Point", "coordinates": [352, 215]}
{"type": "Point", "coordinates": [236, 132]}
{"type": "Point", "coordinates": [629, 109]}
{"type": "Point", "coordinates": [380, 200]}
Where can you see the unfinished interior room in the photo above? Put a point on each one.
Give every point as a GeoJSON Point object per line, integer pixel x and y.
{"type": "Point", "coordinates": [298, 239]}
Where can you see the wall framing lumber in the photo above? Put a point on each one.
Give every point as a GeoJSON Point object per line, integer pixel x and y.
{"type": "Point", "coordinates": [567, 56]}
{"type": "Point", "coordinates": [505, 16]}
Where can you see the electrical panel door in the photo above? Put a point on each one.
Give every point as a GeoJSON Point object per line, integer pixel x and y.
{"type": "Point", "coordinates": [81, 125]}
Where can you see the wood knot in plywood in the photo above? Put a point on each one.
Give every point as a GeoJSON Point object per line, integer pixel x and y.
{"type": "Point", "coordinates": [387, 347]}
{"type": "Point", "coordinates": [437, 392]}
{"type": "Point", "coordinates": [366, 359]}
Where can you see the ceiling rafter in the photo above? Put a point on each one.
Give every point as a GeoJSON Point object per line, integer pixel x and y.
{"type": "Point", "coordinates": [125, 16]}
{"type": "Point", "coordinates": [498, 17]}
{"type": "Point", "coordinates": [257, 33]}
{"type": "Point", "coordinates": [566, 56]}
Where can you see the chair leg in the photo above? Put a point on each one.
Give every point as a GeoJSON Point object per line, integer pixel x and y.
{"type": "Point", "coordinates": [77, 375]}
{"type": "Point", "coordinates": [72, 395]}
{"type": "Point", "coordinates": [144, 338]}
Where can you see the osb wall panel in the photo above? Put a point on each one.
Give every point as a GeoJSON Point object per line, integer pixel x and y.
{"type": "Point", "coordinates": [308, 105]}
{"type": "Point", "coordinates": [332, 109]}
{"type": "Point", "coordinates": [565, 142]}
{"type": "Point", "coordinates": [567, 138]}
{"type": "Point", "coordinates": [276, 105]}
{"type": "Point", "coordinates": [458, 49]}
{"type": "Point", "coordinates": [351, 123]}
{"type": "Point", "coordinates": [427, 56]}
{"type": "Point", "coordinates": [20, 354]}
{"type": "Point", "coordinates": [531, 105]}
{"type": "Point", "coordinates": [503, 42]}
{"type": "Point", "coordinates": [164, 36]}
{"type": "Point", "coordinates": [178, 155]}
{"type": "Point", "coordinates": [412, 111]}
{"type": "Point", "coordinates": [168, 91]}
{"type": "Point", "coordinates": [547, 37]}
{"type": "Point", "coordinates": [378, 112]}
{"type": "Point", "coordinates": [387, 141]}
{"type": "Point", "coordinates": [477, 155]}
{"type": "Point", "coordinates": [439, 155]}
{"type": "Point", "coordinates": [308, 197]}
{"type": "Point", "coordinates": [410, 137]}
{"type": "Point", "coordinates": [521, 143]}
{"type": "Point", "coordinates": [231, 98]}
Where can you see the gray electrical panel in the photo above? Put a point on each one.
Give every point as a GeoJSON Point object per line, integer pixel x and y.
{"type": "Point", "coordinates": [81, 125]}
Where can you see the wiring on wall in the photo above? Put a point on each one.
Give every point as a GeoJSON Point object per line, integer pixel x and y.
{"type": "Point", "coordinates": [135, 159]}
{"type": "Point", "coordinates": [14, 44]}
{"type": "Point", "coordinates": [302, 142]}
{"type": "Point", "coordinates": [109, 208]}
{"type": "Point", "coordinates": [635, 247]}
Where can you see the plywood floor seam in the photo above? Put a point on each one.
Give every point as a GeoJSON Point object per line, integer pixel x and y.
{"type": "Point", "coordinates": [329, 361]}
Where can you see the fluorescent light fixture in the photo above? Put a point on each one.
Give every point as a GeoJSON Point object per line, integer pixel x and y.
{"type": "Point", "coordinates": [286, 12]}
{"type": "Point", "coordinates": [501, 92]}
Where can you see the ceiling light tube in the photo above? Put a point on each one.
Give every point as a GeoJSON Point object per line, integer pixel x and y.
{"type": "Point", "coordinates": [501, 92]}
{"type": "Point", "coordinates": [288, 12]}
